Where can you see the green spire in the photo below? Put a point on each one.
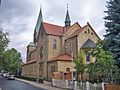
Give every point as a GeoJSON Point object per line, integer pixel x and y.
{"type": "Point", "coordinates": [67, 19]}
{"type": "Point", "coordinates": [39, 21]}
{"type": "Point", "coordinates": [38, 24]}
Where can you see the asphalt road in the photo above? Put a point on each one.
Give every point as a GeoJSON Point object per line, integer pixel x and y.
{"type": "Point", "coordinates": [16, 85]}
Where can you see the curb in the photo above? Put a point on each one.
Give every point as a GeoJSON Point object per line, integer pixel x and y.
{"type": "Point", "coordinates": [0, 88]}
{"type": "Point", "coordinates": [39, 85]}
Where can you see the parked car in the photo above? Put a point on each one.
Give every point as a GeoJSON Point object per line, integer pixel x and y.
{"type": "Point", "coordinates": [6, 75]}
{"type": "Point", "coordinates": [11, 77]}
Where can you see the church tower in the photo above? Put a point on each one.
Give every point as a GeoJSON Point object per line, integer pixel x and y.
{"type": "Point", "coordinates": [38, 24]}
{"type": "Point", "coordinates": [67, 19]}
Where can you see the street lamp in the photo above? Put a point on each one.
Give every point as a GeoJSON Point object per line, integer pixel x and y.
{"type": "Point", "coordinates": [72, 64]}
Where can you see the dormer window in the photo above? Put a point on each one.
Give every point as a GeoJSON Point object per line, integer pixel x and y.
{"type": "Point", "coordinates": [54, 44]}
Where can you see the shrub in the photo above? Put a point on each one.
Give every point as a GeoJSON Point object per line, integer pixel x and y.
{"type": "Point", "coordinates": [39, 80]}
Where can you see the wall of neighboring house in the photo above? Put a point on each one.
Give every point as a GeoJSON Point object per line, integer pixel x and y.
{"type": "Point", "coordinates": [71, 46]}
{"type": "Point", "coordinates": [42, 50]}
{"type": "Point", "coordinates": [52, 67]}
{"type": "Point", "coordinates": [29, 50]}
{"type": "Point", "coordinates": [63, 65]}
{"type": "Point", "coordinates": [29, 70]}
{"type": "Point", "coordinates": [33, 55]}
{"type": "Point", "coordinates": [52, 51]}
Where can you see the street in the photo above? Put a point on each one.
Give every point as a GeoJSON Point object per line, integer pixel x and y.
{"type": "Point", "coordinates": [16, 85]}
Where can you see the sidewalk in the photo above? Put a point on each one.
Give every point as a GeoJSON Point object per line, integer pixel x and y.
{"type": "Point", "coordinates": [40, 85]}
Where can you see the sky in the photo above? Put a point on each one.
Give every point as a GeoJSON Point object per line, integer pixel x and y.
{"type": "Point", "coordinates": [19, 17]}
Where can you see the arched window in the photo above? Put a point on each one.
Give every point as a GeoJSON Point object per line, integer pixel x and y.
{"type": "Point", "coordinates": [88, 30]}
{"type": "Point", "coordinates": [87, 57]}
{"type": "Point", "coordinates": [41, 52]}
{"type": "Point", "coordinates": [54, 43]}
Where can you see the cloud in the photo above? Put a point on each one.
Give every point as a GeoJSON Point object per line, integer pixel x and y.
{"type": "Point", "coordinates": [18, 17]}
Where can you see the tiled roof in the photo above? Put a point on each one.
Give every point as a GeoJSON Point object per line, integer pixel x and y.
{"type": "Point", "coordinates": [29, 62]}
{"type": "Point", "coordinates": [53, 29]}
{"type": "Point", "coordinates": [63, 57]}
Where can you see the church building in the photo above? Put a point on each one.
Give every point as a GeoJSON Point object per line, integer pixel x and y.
{"type": "Point", "coordinates": [55, 48]}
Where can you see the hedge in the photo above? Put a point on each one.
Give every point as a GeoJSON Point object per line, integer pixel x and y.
{"type": "Point", "coordinates": [39, 80]}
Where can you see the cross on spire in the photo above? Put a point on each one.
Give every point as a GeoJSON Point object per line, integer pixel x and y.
{"type": "Point", "coordinates": [67, 6]}
{"type": "Point", "coordinates": [67, 19]}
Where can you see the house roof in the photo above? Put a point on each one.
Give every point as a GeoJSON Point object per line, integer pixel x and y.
{"type": "Point", "coordinates": [29, 62]}
{"type": "Point", "coordinates": [63, 57]}
{"type": "Point", "coordinates": [53, 29]}
{"type": "Point", "coordinates": [89, 44]}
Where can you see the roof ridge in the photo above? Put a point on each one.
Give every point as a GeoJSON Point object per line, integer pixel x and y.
{"type": "Point", "coordinates": [52, 24]}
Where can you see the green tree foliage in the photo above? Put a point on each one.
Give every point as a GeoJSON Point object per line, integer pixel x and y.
{"type": "Point", "coordinates": [80, 67]}
{"type": "Point", "coordinates": [3, 41]}
{"type": "Point", "coordinates": [112, 23]}
{"type": "Point", "coordinates": [104, 68]}
{"type": "Point", "coordinates": [12, 60]}
{"type": "Point", "coordinates": [3, 45]}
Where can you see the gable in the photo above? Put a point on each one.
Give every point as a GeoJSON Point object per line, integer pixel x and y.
{"type": "Point", "coordinates": [88, 32]}
{"type": "Point", "coordinates": [71, 30]}
{"type": "Point", "coordinates": [41, 32]}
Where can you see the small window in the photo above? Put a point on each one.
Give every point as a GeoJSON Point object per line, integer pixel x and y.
{"type": "Point", "coordinates": [67, 69]}
{"type": "Point", "coordinates": [85, 32]}
{"type": "Point", "coordinates": [87, 57]}
{"type": "Point", "coordinates": [88, 30]}
{"type": "Point", "coordinates": [54, 44]}
{"type": "Point", "coordinates": [91, 33]}
{"type": "Point", "coordinates": [52, 69]}
{"type": "Point", "coordinates": [41, 52]}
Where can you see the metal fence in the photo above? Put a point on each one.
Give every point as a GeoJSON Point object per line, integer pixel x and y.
{"type": "Point", "coordinates": [88, 86]}
{"type": "Point", "coordinates": [77, 85]}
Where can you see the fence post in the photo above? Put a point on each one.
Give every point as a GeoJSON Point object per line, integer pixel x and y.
{"type": "Point", "coordinates": [53, 83]}
{"type": "Point", "coordinates": [103, 88]}
{"type": "Point", "coordinates": [66, 81]}
{"type": "Point", "coordinates": [87, 85]}
{"type": "Point", "coordinates": [75, 87]}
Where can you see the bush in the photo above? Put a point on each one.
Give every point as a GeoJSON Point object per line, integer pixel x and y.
{"type": "Point", "coordinates": [40, 80]}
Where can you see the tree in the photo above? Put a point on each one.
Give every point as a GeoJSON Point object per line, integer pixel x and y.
{"type": "Point", "coordinates": [112, 23]}
{"type": "Point", "coordinates": [3, 45]}
{"type": "Point", "coordinates": [80, 67]}
{"type": "Point", "coordinates": [12, 60]}
{"type": "Point", "coordinates": [104, 68]}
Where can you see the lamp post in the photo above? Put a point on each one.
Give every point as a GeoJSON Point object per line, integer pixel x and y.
{"type": "Point", "coordinates": [72, 65]}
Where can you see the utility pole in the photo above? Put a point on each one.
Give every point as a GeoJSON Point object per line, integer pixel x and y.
{"type": "Point", "coordinates": [72, 65]}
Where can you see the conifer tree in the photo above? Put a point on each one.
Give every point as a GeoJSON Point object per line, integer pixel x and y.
{"type": "Point", "coordinates": [112, 24]}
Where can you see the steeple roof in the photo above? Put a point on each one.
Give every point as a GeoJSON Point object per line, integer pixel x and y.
{"type": "Point", "coordinates": [39, 21]}
{"type": "Point", "coordinates": [67, 18]}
